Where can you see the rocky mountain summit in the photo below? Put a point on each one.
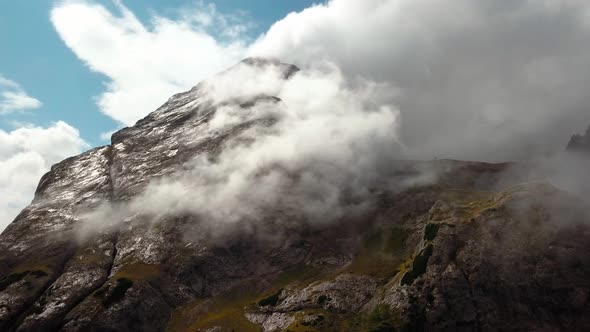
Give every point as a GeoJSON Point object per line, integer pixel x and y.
{"type": "Point", "coordinates": [478, 247]}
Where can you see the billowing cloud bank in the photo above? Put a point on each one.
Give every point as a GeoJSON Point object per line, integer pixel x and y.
{"type": "Point", "coordinates": [484, 80]}
{"type": "Point", "coordinates": [25, 154]}
{"type": "Point", "coordinates": [316, 153]}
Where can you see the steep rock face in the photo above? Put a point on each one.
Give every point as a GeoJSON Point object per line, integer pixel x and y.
{"type": "Point", "coordinates": [474, 261]}
{"type": "Point", "coordinates": [456, 254]}
{"type": "Point", "coordinates": [505, 260]}
{"type": "Point", "coordinates": [36, 248]}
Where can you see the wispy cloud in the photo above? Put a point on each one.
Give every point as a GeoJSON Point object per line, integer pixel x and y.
{"type": "Point", "coordinates": [147, 63]}
{"type": "Point", "coordinates": [13, 97]}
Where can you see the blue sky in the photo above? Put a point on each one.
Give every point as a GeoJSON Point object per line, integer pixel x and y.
{"type": "Point", "coordinates": [33, 55]}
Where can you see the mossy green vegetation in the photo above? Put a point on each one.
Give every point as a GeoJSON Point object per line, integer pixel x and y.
{"type": "Point", "coordinates": [395, 240]}
{"type": "Point", "coordinates": [227, 310]}
{"type": "Point", "coordinates": [301, 273]}
{"type": "Point", "coordinates": [418, 266]}
{"type": "Point", "coordinates": [37, 266]}
{"type": "Point", "coordinates": [311, 321]}
{"type": "Point", "coordinates": [138, 271]}
{"type": "Point", "coordinates": [89, 258]}
{"type": "Point", "coordinates": [18, 276]}
{"type": "Point", "coordinates": [381, 253]}
{"type": "Point", "coordinates": [463, 195]}
{"type": "Point", "coordinates": [470, 203]}
{"type": "Point", "coordinates": [466, 204]}
{"type": "Point", "coordinates": [381, 319]}
{"type": "Point", "coordinates": [123, 280]}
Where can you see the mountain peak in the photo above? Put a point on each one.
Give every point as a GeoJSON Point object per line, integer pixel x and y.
{"type": "Point", "coordinates": [262, 62]}
{"type": "Point", "coordinates": [131, 237]}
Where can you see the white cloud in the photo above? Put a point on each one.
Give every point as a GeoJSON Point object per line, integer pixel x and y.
{"type": "Point", "coordinates": [13, 97]}
{"type": "Point", "coordinates": [319, 157]}
{"type": "Point", "coordinates": [25, 155]}
{"type": "Point", "coordinates": [106, 136]}
{"type": "Point", "coordinates": [486, 79]}
{"type": "Point", "coordinates": [145, 65]}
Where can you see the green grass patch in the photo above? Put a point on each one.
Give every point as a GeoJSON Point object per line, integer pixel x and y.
{"type": "Point", "coordinates": [464, 195]}
{"type": "Point", "coordinates": [138, 271]}
{"type": "Point", "coordinates": [29, 267]}
{"type": "Point", "coordinates": [381, 319]}
{"type": "Point", "coordinates": [301, 273]}
{"type": "Point", "coordinates": [396, 240]}
{"type": "Point", "coordinates": [471, 203]}
{"type": "Point", "coordinates": [381, 253]}
{"type": "Point", "coordinates": [389, 240]}
{"type": "Point", "coordinates": [315, 321]}
{"type": "Point", "coordinates": [227, 310]}
{"type": "Point", "coordinates": [18, 276]}
{"type": "Point", "coordinates": [124, 279]}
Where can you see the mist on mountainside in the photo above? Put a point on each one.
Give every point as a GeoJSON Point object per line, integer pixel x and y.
{"type": "Point", "coordinates": [402, 165]}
